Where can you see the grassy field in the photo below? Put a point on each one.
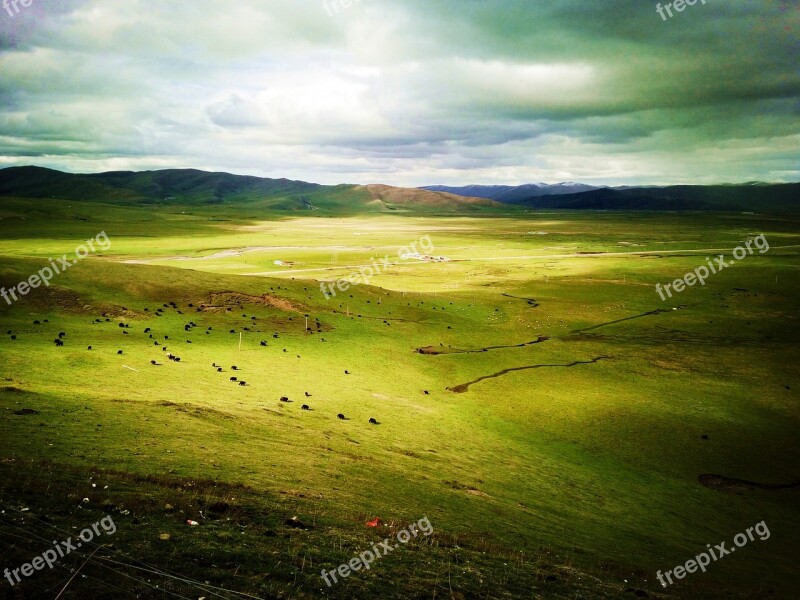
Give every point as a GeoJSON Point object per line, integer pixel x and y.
{"type": "Point", "coordinates": [552, 429]}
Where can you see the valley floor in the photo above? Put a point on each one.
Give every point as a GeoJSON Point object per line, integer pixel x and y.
{"type": "Point", "coordinates": [566, 432]}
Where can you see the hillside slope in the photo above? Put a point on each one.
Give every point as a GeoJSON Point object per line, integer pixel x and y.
{"type": "Point", "coordinates": [194, 188]}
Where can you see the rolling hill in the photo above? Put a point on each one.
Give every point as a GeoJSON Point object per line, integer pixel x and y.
{"type": "Point", "coordinates": [194, 188]}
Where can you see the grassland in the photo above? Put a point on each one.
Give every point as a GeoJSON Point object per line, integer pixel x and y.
{"type": "Point", "coordinates": [568, 469]}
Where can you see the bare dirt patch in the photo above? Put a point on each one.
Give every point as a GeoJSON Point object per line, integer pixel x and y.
{"type": "Point", "coordinates": [217, 300]}
{"type": "Point", "coordinates": [196, 411]}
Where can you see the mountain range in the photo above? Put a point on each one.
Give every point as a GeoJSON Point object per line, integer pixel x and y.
{"type": "Point", "coordinates": [190, 187]}
{"type": "Point", "coordinates": [510, 194]}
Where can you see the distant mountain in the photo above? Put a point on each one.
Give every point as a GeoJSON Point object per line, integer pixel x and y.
{"type": "Point", "coordinates": [510, 194]}
{"type": "Point", "coordinates": [751, 196]}
{"type": "Point", "coordinates": [746, 197]}
{"type": "Point", "coordinates": [200, 188]}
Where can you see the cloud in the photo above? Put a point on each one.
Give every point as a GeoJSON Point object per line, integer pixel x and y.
{"type": "Point", "coordinates": [406, 93]}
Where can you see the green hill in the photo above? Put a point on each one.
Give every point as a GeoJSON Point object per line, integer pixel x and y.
{"type": "Point", "coordinates": [193, 188]}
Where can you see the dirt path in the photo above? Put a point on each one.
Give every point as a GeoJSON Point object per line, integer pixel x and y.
{"type": "Point", "coordinates": [235, 252]}
{"type": "Point", "coordinates": [460, 389]}
{"type": "Point", "coordinates": [531, 301]}
{"type": "Point", "coordinates": [432, 351]}
{"type": "Point", "coordinates": [657, 311]}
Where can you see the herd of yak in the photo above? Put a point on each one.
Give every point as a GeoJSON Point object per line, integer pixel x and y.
{"type": "Point", "coordinates": [59, 342]}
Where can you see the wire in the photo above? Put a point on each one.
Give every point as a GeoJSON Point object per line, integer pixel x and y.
{"type": "Point", "coordinates": [146, 567]}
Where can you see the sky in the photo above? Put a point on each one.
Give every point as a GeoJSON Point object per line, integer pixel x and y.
{"type": "Point", "coordinates": [406, 92]}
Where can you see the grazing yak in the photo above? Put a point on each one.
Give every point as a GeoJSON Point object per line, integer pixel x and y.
{"type": "Point", "coordinates": [285, 399]}
{"type": "Point", "coordinates": [234, 378]}
{"type": "Point", "coordinates": [374, 422]}
{"type": "Point", "coordinates": [242, 383]}
{"type": "Point", "coordinates": [306, 407]}
{"type": "Point", "coordinates": [340, 416]}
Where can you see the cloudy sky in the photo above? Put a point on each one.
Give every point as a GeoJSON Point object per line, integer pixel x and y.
{"type": "Point", "coordinates": [406, 92]}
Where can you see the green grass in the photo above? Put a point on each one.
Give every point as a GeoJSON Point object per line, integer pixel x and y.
{"type": "Point", "coordinates": [554, 482]}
